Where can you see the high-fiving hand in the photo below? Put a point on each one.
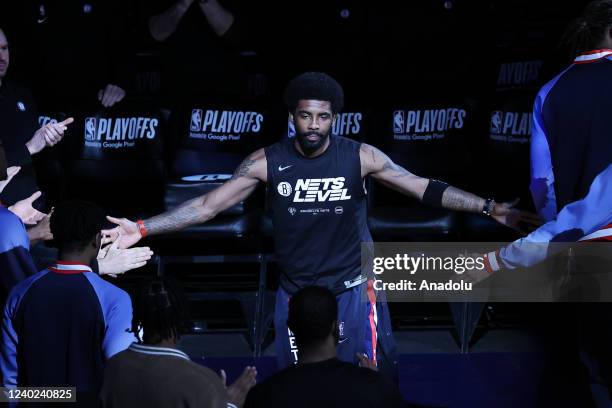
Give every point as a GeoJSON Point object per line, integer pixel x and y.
{"type": "Point", "coordinates": [521, 221]}
{"type": "Point", "coordinates": [127, 230]}
{"type": "Point", "coordinates": [113, 261]}
{"type": "Point", "coordinates": [26, 212]}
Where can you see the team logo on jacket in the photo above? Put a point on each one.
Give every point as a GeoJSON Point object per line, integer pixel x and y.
{"type": "Point", "coordinates": [315, 190]}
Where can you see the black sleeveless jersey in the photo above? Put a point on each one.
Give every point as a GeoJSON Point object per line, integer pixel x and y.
{"type": "Point", "coordinates": [319, 214]}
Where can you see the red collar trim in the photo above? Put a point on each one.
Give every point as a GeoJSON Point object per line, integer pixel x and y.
{"type": "Point", "coordinates": [592, 56]}
{"type": "Point", "coordinates": [69, 268]}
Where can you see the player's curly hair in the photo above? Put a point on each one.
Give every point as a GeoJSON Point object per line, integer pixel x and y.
{"type": "Point", "coordinates": [314, 85]}
{"type": "Point", "coordinates": [160, 311]}
{"type": "Point", "coordinates": [74, 224]}
{"type": "Point", "coordinates": [585, 32]}
{"type": "Point", "coordinates": [312, 313]}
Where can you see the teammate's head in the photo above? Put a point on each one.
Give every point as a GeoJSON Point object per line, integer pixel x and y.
{"type": "Point", "coordinates": [76, 227]}
{"type": "Point", "coordinates": [160, 311]}
{"type": "Point", "coordinates": [313, 100]}
{"type": "Point", "coordinates": [313, 316]}
{"type": "Point", "coordinates": [4, 54]}
{"type": "Point", "coordinates": [592, 30]}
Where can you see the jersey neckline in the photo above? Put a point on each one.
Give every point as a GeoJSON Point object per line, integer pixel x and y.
{"type": "Point", "coordinates": [592, 56]}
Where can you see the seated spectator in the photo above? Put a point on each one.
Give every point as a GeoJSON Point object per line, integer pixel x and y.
{"type": "Point", "coordinates": [21, 136]}
{"type": "Point", "coordinates": [92, 68]}
{"type": "Point", "coordinates": [200, 41]}
{"type": "Point", "coordinates": [319, 379]}
{"type": "Point", "coordinates": [61, 324]}
{"type": "Point", "coordinates": [153, 372]}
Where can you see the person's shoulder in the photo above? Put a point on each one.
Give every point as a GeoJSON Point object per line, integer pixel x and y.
{"type": "Point", "coordinates": [11, 225]}
{"type": "Point", "coordinates": [346, 143]}
{"type": "Point", "coordinates": [195, 376]}
{"type": "Point", "coordinates": [548, 86]}
{"type": "Point", "coordinates": [363, 374]}
{"type": "Point", "coordinates": [19, 291]}
{"type": "Point", "coordinates": [279, 144]}
{"type": "Point", "coordinates": [118, 360]}
{"type": "Point", "coordinates": [107, 288]}
{"type": "Point", "coordinates": [345, 140]}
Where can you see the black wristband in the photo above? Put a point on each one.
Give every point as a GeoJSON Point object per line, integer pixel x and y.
{"type": "Point", "coordinates": [433, 193]}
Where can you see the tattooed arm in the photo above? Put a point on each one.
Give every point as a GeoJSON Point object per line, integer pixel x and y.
{"type": "Point", "coordinates": [378, 165]}
{"type": "Point", "coordinates": [198, 210]}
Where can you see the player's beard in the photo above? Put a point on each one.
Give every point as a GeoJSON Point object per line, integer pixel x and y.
{"type": "Point", "coordinates": [308, 146]}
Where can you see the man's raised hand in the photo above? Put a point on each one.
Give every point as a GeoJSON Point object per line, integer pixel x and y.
{"type": "Point", "coordinates": [24, 210]}
{"type": "Point", "coordinates": [110, 95]}
{"type": "Point", "coordinates": [48, 135]}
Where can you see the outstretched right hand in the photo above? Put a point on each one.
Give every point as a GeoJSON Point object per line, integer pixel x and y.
{"type": "Point", "coordinates": [128, 230]}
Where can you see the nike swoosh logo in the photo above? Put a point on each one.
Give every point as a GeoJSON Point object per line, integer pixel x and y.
{"type": "Point", "coordinates": [342, 340]}
{"type": "Point", "coordinates": [42, 20]}
{"type": "Point", "coordinates": [280, 168]}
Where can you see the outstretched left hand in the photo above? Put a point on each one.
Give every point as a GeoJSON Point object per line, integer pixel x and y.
{"type": "Point", "coordinates": [24, 210]}
{"type": "Point", "coordinates": [521, 221]}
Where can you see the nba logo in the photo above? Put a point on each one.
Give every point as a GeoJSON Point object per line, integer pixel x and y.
{"type": "Point", "coordinates": [398, 122]}
{"type": "Point", "coordinates": [196, 120]}
{"type": "Point", "coordinates": [90, 129]}
{"type": "Point", "coordinates": [496, 122]}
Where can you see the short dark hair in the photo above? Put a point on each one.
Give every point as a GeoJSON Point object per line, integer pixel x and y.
{"type": "Point", "coordinates": [74, 224]}
{"type": "Point", "coordinates": [160, 310]}
{"type": "Point", "coordinates": [585, 32]}
{"type": "Point", "coordinates": [312, 313]}
{"type": "Point", "coordinates": [317, 86]}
